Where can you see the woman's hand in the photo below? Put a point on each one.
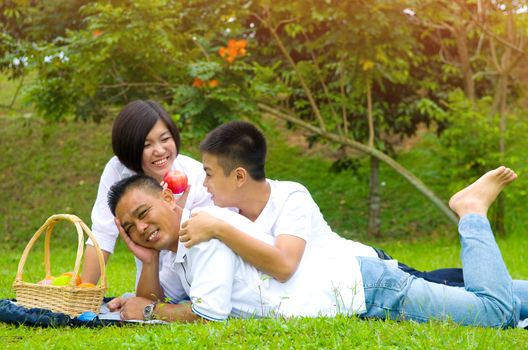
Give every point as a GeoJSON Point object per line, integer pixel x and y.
{"type": "Point", "coordinates": [183, 197]}
{"type": "Point", "coordinates": [201, 227]}
{"type": "Point", "coordinates": [146, 255]}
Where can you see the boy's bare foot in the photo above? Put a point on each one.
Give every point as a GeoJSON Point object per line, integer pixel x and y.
{"type": "Point", "coordinates": [478, 197]}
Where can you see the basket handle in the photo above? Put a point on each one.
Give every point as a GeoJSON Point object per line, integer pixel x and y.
{"type": "Point", "coordinates": [48, 226]}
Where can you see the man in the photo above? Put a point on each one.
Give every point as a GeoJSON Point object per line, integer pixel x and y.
{"type": "Point", "coordinates": [220, 284]}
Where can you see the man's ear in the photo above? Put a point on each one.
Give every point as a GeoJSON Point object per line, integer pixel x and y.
{"type": "Point", "coordinates": [241, 175]}
{"type": "Point", "coordinates": [167, 196]}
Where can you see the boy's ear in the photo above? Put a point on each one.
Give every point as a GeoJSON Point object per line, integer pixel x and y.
{"type": "Point", "coordinates": [241, 175]}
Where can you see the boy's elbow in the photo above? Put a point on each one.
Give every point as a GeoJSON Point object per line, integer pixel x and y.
{"type": "Point", "coordinates": [287, 273]}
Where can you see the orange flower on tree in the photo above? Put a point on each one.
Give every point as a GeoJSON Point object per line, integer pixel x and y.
{"type": "Point", "coordinates": [197, 83]}
{"type": "Point", "coordinates": [234, 49]}
{"type": "Point", "coordinates": [96, 33]}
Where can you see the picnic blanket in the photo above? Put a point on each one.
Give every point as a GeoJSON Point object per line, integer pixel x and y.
{"type": "Point", "coordinates": [12, 313]}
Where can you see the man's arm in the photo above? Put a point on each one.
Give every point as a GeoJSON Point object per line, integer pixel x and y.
{"type": "Point", "coordinates": [148, 284]}
{"type": "Point", "coordinates": [133, 309]}
{"type": "Point", "coordinates": [279, 261]}
{"type": "Point", "coordinates": [176, 313]}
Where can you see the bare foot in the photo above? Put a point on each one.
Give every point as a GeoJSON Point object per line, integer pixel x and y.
{"type": "Point", "coordinates": [478, 197]}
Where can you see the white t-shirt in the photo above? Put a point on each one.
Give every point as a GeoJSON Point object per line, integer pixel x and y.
{"type": "Point", "coordinates": [291, 210]}
{"type": "Point", "coordinates": [221, 284]}
{"type": "Point", "coordinates": [103, 226]}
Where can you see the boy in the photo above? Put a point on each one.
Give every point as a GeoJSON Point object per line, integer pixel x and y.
{"type": "Point", "coordinates": [234, 157]}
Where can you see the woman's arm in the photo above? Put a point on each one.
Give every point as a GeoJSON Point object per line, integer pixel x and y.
{"type": "Point", "coordinates": [103, 226]}
{"type": "Point", "coordinates": [280, 261]}
{"type": "Point", "coordinates": [91, 270]}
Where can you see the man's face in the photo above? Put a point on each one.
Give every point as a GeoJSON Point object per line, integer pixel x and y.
{"type": "Point", "coordinates": [151, 220]}
{"type": "Point", "coordinates": [223, 188]}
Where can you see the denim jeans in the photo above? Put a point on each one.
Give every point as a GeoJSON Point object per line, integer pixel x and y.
{"type": "Point", "coordinates": [449, 276]}
{"type": "Point", "coordinates": [487, 299]}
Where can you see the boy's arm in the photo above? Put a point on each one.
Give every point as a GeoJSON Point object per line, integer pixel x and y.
{"type": "Point", "coordinates": [279, 261]}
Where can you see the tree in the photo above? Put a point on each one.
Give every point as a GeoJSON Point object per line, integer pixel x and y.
{"type": "Point", "coordinates": [337, 54]}
{"type": "Point", "coordinates": [485, 42]}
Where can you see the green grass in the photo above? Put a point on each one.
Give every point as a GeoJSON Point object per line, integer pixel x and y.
{"type": "Point", "coordinates": [321, 333]}
{"type": "Point", "coordinates": [47, 169]}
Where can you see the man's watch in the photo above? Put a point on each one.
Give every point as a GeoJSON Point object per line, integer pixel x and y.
{"type": "Point", "coordinates": [148, 311]}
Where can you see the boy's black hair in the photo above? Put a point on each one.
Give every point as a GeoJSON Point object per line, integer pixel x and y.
{"type": "Point", "coordinates": [131, 128]}
{"type": "Point", "coordinates": [238, 143]}
{"type": "Point", "coordinates": [118, 190]}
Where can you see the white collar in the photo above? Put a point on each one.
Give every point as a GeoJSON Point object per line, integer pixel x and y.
{"type": "Point", "coordinates": [179, 256]}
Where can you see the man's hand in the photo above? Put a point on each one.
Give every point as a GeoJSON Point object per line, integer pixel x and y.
{"type": "Point", "coordinates": [132, 308]}
{"type": "Point", "coordinates": [201, 227]}
{"type": "Point", "coordinates": [116, 304]}
{"type": "Point", "coordinates": [146, 255]}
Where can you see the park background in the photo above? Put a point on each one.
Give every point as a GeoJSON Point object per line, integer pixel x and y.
{"type": "Point", "coordinates": [381, 108]}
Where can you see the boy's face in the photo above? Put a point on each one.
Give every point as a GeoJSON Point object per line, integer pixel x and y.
{"type": "Point", "coordinates": [221, 187]}
{"type": "Point", "coordinates": [151, 220]}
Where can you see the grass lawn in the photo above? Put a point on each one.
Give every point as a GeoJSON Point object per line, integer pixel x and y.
{"type": "Point", "coordinates": [47, 169]}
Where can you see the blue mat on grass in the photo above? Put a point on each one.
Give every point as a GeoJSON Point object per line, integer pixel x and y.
{"type": "Point", "coordinates": [12, 313]}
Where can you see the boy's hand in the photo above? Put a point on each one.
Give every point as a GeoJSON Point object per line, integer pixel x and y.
{"type": "Point", "coordinates": [201, 227]}
{"type": "Point", "coordinates": [146, 255]}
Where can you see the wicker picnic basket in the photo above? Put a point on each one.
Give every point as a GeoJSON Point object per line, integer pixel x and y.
{"type": "Point", "coordinates": [68, 299]}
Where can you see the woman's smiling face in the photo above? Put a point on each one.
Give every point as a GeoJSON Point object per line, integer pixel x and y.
{"type": "Point", "coordinates": [159, 151]}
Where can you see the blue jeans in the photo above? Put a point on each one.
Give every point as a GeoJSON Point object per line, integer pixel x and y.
{"type": "Point", "coordinates": [487, 299]}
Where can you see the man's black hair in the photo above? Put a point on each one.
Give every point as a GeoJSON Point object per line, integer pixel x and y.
{"type": "Point", "coordinates": [118, 190]}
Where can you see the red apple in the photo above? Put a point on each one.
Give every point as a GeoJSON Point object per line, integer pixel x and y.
{"type": "Point", "coordinates": [176, 181]}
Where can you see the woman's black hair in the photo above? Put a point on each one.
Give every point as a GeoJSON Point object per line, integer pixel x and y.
{"type": "Point", "coordinates": [131, 128]}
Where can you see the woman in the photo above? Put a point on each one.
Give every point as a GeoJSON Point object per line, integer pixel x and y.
{"type": "Point", "coordinates": [144, 140]}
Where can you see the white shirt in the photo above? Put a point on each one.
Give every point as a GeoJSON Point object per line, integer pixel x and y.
{"type": "Point", "coordinates": [221, 284]}
{"type": "Point", "coordinates": [103, 226]}
{"type": "Point", "coordinates": [292, 210]}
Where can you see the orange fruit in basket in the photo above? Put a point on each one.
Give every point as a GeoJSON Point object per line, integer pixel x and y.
{"type": "Point", "coordinates": [86, 285]}
{"type": "Point", "coordinates": [70, 274]}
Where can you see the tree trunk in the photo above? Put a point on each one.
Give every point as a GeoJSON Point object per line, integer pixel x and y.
{"type": "Point", "coordinates": [340, 140]}
{"type": "Point", "coordinates": [374, 221]}
{"type": "Point", "coordinates": [374, 195]}
{"type": "Point", "coordinates": [465, 63]}
{"type": "Point", "coordinates": [502, 94]}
